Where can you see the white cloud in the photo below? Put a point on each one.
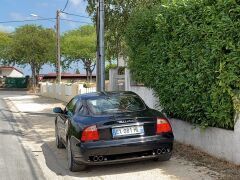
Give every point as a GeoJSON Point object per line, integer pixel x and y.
{"type": "Point", "coordinates": [7, 28]}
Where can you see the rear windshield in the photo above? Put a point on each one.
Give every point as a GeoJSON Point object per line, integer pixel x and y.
{"type": "Point", "coordinates": [115, 104]}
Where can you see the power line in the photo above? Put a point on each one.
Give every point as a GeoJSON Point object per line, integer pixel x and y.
{"type": "Point", "coordinates": [65, 5]}
{"type": "Point", "coordinates": [26, 20]}
{"type": "Point", "coordinates": [71, 14]}
{"type": "Point", "coordinates": [41, 19]}
{"type": "Point", "coordinates": [75, 21]}
{"type": "Point", "coordinates": [48, 19]}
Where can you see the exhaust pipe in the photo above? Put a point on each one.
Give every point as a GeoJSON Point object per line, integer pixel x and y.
{"type": "Point", "coordinates": [100, 158]}
{"type": "Point", "coordinates": [95, 158]}
{"type": "Point", "coordinates": [153, 153]}
{"type": "Point", "coordinates": [159, 151]}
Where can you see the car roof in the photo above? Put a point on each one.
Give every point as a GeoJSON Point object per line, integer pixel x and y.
{"type": "Point", "coordinates": [104, 94]}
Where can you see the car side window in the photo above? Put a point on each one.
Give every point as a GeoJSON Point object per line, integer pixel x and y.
{"type": "Point", "coordinates": [78, 106]}
{"type": "Point", "coordinates": [83, 111]}
{"type": "Point", "coordinates": [70, 108]}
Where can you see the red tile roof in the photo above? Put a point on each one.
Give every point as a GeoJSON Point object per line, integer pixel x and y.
{"type": "Point", "coordinates": [65, 75]}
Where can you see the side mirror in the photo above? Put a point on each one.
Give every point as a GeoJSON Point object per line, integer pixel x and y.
{"type": "Point", "coordinates": [58, 110]}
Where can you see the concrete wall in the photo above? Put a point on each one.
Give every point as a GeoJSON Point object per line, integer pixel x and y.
{"type": "Point", "coordinates": [11, 73]}
{"type": "Point", "coordinates": [121, 62]}
{"type": "Point", "coordinates": [112, 80]}
{"type": "Point", "coordinates": [15, 73]}
{"type": "Point", "coordinates": [147, 95]}
{"type": "Point", "coordinates": [63, 92]}
{"type": "Point", "coordinates": [116, 81]}
{"type": "Point", "coordinates": [221, 143]}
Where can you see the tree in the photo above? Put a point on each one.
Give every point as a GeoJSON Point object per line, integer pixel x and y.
{"type": "Point", "coordinates": [117, 13]}
{"type": "Point", "coordinates": [77, 71]}
{"type": "Point", "coordinates": [80, 45]}
{"type": "Point", "coordinates": [33, 45]}
{"type": "Point", "coordinates": [5, 41]}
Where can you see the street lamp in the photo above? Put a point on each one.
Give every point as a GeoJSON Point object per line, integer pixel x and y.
{"type": "Point", "coordinates": [35, 15]}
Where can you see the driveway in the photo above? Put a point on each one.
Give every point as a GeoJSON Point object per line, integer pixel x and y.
{"type": "Point", "coordinates": [28, 148]}
{"type": "Point", "coordinates": [16, 162]}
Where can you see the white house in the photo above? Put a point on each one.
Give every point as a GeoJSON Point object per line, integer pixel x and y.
{"type": "Point", "coordinates": [9, 71]}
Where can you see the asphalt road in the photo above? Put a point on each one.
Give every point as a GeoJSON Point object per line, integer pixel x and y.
{"type": "Point", "coordinates": [16, 162]}
{"type": "Point", "coordinates": [28, 150]}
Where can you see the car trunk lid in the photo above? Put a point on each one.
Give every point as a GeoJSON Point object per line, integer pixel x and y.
{"type": "Point", "coordinates": [125, 125]}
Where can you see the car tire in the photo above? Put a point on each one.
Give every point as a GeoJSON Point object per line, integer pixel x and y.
{"type": "Point", "coordinates": [72, 165]}
{"type": "Point", "coordinates": [59, 143]}
{"type": "Point", "coordinates": [167, 157]}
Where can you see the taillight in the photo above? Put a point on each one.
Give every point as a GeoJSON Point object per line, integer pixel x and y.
{"type": "Point", "coordinates": [163, 126]}
{"type": "Point", "coordinates": [90, 134]}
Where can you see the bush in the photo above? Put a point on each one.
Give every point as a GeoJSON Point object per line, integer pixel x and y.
{"type": "Point", "coordinates": [189, 53]}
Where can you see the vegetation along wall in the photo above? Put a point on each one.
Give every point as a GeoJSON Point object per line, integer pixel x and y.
{"type": "Point", "coordinates": [189, 53]}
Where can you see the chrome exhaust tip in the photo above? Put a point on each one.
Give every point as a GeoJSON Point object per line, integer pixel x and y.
{"type": "Point", "coordinates": [153, 153]}
{"type": "Point", "coordinates": [159, 151]}
{"type": "Point", "coordinates": [95, 158]}
{"type": "Point", "coordinates": [100, 158]}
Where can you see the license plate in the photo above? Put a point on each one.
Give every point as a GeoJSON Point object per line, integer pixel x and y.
{"type": "Point", "coordinates": [127, 131]}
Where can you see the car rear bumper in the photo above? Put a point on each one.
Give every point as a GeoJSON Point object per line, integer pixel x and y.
{"type": "Point", "coordinates": [122, 150]}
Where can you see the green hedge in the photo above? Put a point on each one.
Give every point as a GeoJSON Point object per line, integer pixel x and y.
{"type": "Point", "coordinates": [190, 55]}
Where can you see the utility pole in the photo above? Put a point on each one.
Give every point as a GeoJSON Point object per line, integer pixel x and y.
{"type": "Point", "coordinates": [98, 53]}
{"type": "Point", "coordinates": [58, 57]}
{"type": "Point", "coordinates": [101, 58]}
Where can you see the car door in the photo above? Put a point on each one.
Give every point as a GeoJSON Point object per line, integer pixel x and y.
{"type": "Point", "coordinates": [66, 117]}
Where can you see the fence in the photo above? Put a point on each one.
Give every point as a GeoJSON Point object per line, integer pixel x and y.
{"type": "Point", "coordinates": [15, 82]}
{"type": "Point", "coordinates": [63, 92]}
{"type": "Point", "coordinates": [221, 143]}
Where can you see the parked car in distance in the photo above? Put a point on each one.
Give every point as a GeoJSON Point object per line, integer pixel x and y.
{"type": "Point", "coordinates": [111, 127]}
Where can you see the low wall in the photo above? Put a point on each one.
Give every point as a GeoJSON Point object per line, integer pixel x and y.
{"type": "Point", "coordinates": [63, 92]}
{"type": "Point", "coordinates": [221, 143]}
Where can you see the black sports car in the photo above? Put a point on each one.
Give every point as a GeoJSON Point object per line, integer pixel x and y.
{"type": "Point", "coordinates": [111, 127]}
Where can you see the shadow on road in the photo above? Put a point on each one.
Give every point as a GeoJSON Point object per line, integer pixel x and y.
{"type": "Point", "coordinates": [56, 160]}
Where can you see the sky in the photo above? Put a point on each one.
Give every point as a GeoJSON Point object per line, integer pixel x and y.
{"type": "Point", "coordinates": [18, 10]}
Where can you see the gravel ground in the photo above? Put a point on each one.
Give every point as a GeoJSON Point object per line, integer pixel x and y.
{"type": "Point", "coordinates": [225, 169]}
